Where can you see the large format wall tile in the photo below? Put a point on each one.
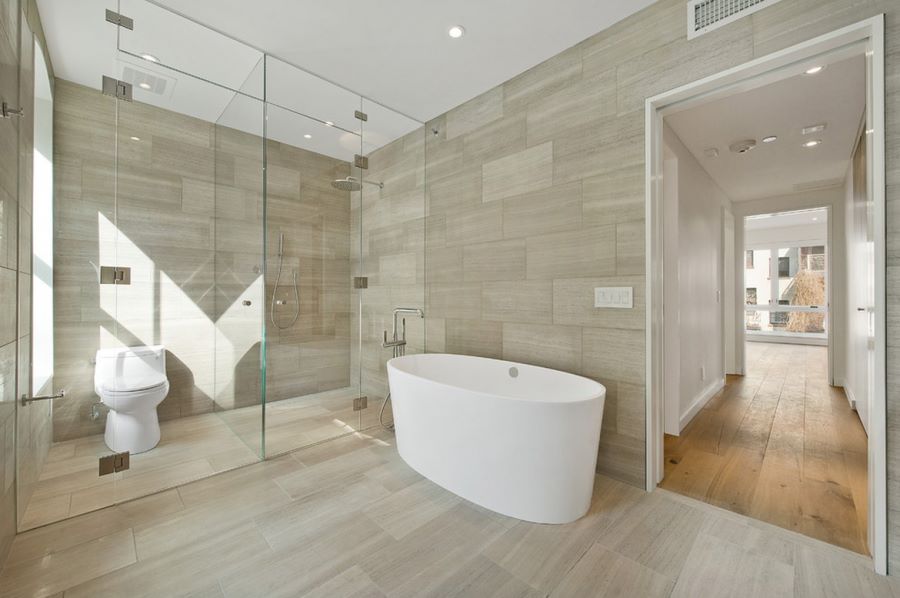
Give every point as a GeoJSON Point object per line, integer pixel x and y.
{"type": "Point", "coordinates": [527, 301]}
{"type": "Point", "coordinates": [475, 113]}
{"type": "Point", "coordinates": [528, 170]}
{"type": "Point", "coordinates": [557, 347]}
{"type": "Point", "coordinates": [500, 260]}
{"type": "Point", "coordinates": [586, 252]}
{"type": "Point", "coordinates": [555, 209]}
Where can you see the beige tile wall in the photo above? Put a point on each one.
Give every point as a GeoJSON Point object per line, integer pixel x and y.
{"type": "Point", "coordinates": [9, 211]}
{"type": "Point", "coordinates": [34, 423]}
{"type": "Point", "coordinates": [186, 215]}
{"type": "Point", "coordinates": [24, 433]}
{"type": "Point", "coordinates": [535, 195]}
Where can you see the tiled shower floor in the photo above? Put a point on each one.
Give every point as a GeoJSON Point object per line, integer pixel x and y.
{"type": "Point", "coordinates": [190, 448]}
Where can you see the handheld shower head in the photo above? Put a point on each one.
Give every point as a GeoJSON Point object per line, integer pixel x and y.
{"type": "Point", "coordinates": [281, 245]}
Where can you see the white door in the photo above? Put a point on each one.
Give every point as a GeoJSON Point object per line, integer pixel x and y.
{"type": "Point", "coordinates": [861, 295]}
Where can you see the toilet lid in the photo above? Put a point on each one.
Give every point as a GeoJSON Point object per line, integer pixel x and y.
{"type": "Point", "coordinates": [147, 379]}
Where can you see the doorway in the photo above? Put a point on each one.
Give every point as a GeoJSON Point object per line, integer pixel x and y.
{"type": "Point", "coordinates": [777, 400]}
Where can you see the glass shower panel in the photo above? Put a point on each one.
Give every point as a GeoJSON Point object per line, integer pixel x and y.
{"type": "Point", "coordinates": [68, 139]}
{"type": "Point", "coordinates": [310, 384]}
{"type": "Point", "coordinates": [390, 218]}
{"type": "Point", "coordinates": [239, 281]}
{"type": "Point", "coordinates": [192, 273]}
{"type": "Point", "coordinates": [165, 38]}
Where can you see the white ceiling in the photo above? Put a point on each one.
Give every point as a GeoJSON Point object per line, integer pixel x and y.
{"type": "Point", "coordinates": [398, 52]}
{"type": "Point", "coordinates": [817, 217]}
{"type": "Point", "coordinates": [835, 96]}
{"type": "Point", "coordinates": [84, 47]}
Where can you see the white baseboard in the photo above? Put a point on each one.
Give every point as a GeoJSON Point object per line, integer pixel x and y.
{"type": "Point", "coordinates": [850, 397]}
{"type": "Point", "coordinates": [700, 402]}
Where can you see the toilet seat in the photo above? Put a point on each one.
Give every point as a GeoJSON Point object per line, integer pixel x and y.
{"type": "Point", "coordinates": [131, 382]}
{"type": "Point", "coordinates": [134, 400]}
{"type": "Point", "coordinates": [103, 390]}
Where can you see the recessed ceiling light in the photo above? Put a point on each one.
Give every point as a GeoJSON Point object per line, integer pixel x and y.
{"type": "Point", "coordinates": [133, 138]}
{"type": "Point", "coordinates": [770, 139]}
{"type": "Point", "coordinates": [307, 136]}
{"type": "Point", "coordinates": [150, 57]}
{"type": "Point", "coordinates": [813, 129]}
{"type": "Point", "coordinates": [814, 70]}
{"type": "Point", "coordinates": [144, 85]}
{"type": "Point", "coordinates": [456, 32]}
{"type": "Point", "coordinates": [328, 123]}
{"type": "Point", "coordinates": [812, 143]}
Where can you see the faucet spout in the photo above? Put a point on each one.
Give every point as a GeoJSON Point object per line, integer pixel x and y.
{"type": "Point", "coordinates": [406, 310]}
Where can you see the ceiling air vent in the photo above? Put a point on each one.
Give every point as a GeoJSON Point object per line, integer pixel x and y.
{"type": "Point", "coordinates": [706, 15]}
{"type": "Point", "coordinates": [146, 81]}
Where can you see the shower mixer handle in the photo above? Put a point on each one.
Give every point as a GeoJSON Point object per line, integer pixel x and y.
{"type": "Point", "coordinates": [394, 343]}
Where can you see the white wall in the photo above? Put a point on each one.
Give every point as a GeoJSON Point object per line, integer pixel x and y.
{"type": "Point", "coordinates": [728, 303]}
{"type": "Point", "coordinates": [694, 312]}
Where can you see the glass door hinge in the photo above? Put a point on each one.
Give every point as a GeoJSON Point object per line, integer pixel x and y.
{"type": "Point", "coordinates": [120, 20]}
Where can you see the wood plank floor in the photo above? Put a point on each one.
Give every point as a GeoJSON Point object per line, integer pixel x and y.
{"type": "Point", "coordinates": [190, 448]}
{"type": "Point", "coordinates": [349, 518]}
{"type": "Point", "coordinates": [779, 445]}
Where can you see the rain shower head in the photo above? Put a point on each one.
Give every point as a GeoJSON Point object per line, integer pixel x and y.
{"type": "Point", "coordinates": [352, 184]}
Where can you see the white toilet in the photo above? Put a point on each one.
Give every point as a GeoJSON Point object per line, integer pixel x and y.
{"type": "Point", "coordinates": [131, 381]}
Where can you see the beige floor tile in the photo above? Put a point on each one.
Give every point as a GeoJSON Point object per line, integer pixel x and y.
{"type": "Point", "coordinates": [716, 567]}
{"type": "Point", "coordinates": [601, 573]}
{"type": "Point", "coordinates": [190, 569]}
{"type": "Point", "coordinates": [42, 510]}
{"type": "Point", "coordinates": [657, 533]}
{"type": "Point", "coordinates": [428, 556]}
{"type": "Point", "coordinates": [542, 554]}
{"type": "Point", "coordinates": [483, 577]}
{"type": "Point", "coordinates": [352, 583]}
{"type": "Point", "coordinates": [296, 567]}
{"type": "Point", "coordinates": [406, 510]}
{"type": "Point", "coordinates": [69, 567]}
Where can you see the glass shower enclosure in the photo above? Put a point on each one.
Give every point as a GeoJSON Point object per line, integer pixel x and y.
{"type": "Point", "coordinates": [250, 221]}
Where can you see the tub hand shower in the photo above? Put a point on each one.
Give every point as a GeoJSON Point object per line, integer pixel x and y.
{"type": "Point", "coordinates": [399, 347]}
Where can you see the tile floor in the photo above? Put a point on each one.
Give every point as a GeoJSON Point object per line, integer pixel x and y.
{"type": "Point", "coordinates": [190, 448]}
{"type": "Point", "coordinates": [349, 518]}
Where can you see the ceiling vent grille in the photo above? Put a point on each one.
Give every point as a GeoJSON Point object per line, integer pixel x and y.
{"type": "Point", "coordinates": [706, 15]}
{"type": "Point", "coordinates": [146, 81]}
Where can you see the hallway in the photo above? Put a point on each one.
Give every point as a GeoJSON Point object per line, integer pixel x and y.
{"type": "Point", "coordinates": [779, 445]}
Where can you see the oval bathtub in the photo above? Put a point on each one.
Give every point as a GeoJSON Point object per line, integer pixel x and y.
{"type": "Point", "coordinates": [517, 439]}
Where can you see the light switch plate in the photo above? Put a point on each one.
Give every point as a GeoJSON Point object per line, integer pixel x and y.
{"type": "Point", "coordinates": [616, 297]}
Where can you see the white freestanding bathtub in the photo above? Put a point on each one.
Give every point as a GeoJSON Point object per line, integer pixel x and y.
{"type": "Point", "coordinates": [517, 439]}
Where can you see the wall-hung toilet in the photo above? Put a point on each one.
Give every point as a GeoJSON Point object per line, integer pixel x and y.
{"type": "Point", "coordinates": [132, 382]}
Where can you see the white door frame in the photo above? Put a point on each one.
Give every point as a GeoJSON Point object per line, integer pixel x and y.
{"type": "Point", "coordinates": [870, 34]}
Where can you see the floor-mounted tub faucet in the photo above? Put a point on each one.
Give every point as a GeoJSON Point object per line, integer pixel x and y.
{"type": "Point", "coordinates": [398, 344]}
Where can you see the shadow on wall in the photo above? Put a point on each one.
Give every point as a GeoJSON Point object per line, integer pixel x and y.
{"type": "Point", "coordinates": [180, 203]}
